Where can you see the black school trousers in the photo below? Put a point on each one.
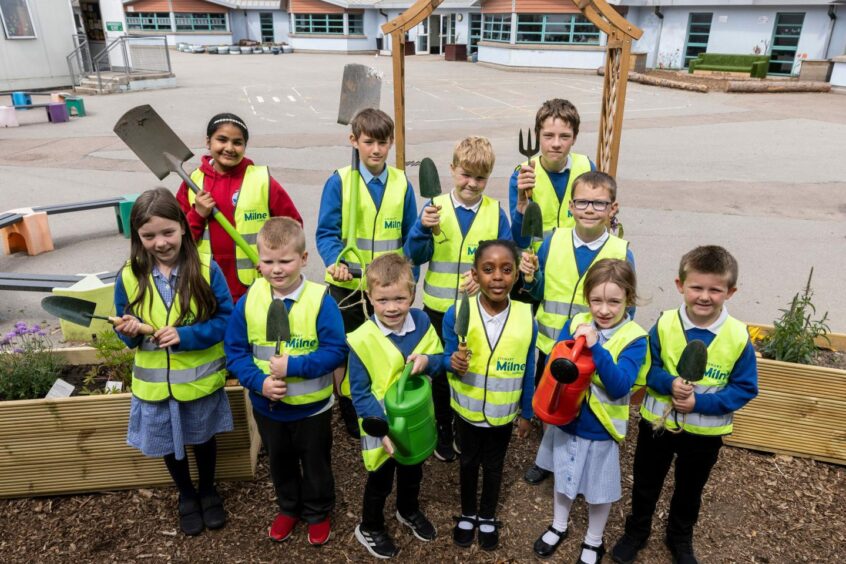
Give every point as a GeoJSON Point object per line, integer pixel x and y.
{"type": "Point", "coordinates": [695, 457]}
{"type": "Point", "coordinates": [378, 488]}
{"type": "Point", "coordinates": [300, 454]}
{"type": "Point", "coordinates": [440, 384]}
{"type": "Point", "coordinates": [483, 447]}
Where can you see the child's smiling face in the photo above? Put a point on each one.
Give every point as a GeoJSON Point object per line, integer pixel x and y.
{"type": "Point", "coordinates": [281, 266]}
{"type": "Point", "coordinates": [607, 303]}
{"type": "Point", "coordinates": [590, 222]}
{"type": "Point", "coordinates": [704, 296]}
{"type": "Point", "coordinates": [162, 238]}
{"type": "Point", "coordinates": [391, 303]}
{"type": "Point", "coordinates": [227, 146]}
{"type": "Point", "coordinates": [556, 140]}
{"type": "Point", "coordinates": [372, 152]}
{"type": "Point", "coordinates": [496, 273]}
{"type": "Point", "coordinates": [469, 185]}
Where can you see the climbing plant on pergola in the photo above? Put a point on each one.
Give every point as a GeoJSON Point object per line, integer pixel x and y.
{"type": "Point", "coordinates": [618, 50]}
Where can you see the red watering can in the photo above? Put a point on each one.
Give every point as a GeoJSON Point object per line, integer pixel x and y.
{"type": "Point", "coordinates": [564, 383]}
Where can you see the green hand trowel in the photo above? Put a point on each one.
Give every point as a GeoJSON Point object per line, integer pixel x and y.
{"type": "Point", "coordinates": [411, 419]}
{"type": "Point", "coordinates": [430, 184]}
{"type": "Point", "coordinates": [690, 368]}
{"type": "Point", "coordinates": [278, 326]}
{"type": "Point", "coordinates": [533, 229]}
{"type": "Point", "coordinates": [81, 312]}
{"type": "Point", "coordinates": [462, 324]}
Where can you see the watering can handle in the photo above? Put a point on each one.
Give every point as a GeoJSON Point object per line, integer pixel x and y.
{"type": "Point", "coordinates": [403, 379]}
{"type": "Point", "coordinates": [577, 349]}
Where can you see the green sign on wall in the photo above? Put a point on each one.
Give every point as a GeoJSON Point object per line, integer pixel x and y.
{"type": "Point", "coordinates": [114, 26]}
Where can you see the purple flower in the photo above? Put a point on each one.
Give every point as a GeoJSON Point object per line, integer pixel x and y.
{"type": "Point", "coordinates": [18, 350]}
{"type": "Point", "coordinates": [42, 334]}
{"type": "Point", "coordinates": [10, 335]}
{"type": "Point", "coordinates": [36, 327]}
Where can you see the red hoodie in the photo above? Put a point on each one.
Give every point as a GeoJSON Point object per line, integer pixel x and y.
{"type": "Point", "coordinates": [224, 188]}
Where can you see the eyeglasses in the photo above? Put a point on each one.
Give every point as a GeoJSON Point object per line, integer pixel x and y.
{"type": "Point", "coordinates": [598, 205]}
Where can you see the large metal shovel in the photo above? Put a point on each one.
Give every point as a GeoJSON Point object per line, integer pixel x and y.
{"type": "Point", "coordinates": [361, 87]}
{"type": "Point", "coordinates": [158, 147]}
{"type": "Point", "coordinates": [81, 312]}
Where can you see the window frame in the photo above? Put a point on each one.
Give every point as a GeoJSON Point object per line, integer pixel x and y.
{"type": "Point", "coordinates": [6, 17]}
{"type": "Point", "coordinates": [315, 18]}
{"type": "Point", "coordinates": [496, 27]}
{"type": "Point", "coordinates": [576, 26]}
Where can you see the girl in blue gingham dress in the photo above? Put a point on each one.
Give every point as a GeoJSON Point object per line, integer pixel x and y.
{"type": "Point", "coordinates": [583, 455]}
{"type": "Point", "coordinates": [177, 381]}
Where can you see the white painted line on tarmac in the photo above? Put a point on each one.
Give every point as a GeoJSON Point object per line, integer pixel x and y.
{"type": "Point", "coordinates": [297, 92]}
{"type": "Point", "coordinates": [426, 93]}
{"type": "Point", "coordinates": [312, 109]}
{"type": "Point", "coordinates": [291, 98]}
{"type": "Point", "coordinates": [253, 108]}
{"type": "Point", "coordinates": [477, 93]}
{"type": "Point", "coordinates": [259, 99]}
{"type": "Point", "coordinates": [276, 99]}
{"type": "Point", "coordinates": [290, 115]}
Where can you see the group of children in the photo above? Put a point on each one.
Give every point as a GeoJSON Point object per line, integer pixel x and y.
{"type": "Point", "coordinates": [350, 340]}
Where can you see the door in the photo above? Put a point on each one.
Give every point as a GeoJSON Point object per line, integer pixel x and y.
{"type": "Point", "coordinates": [266, 22]}
{"type": "Point", "coordinates": [423, 37]}
{"type": "Point", "coordinates": [788, 28]}
{"type": "Point", "coordinates": [435, 34]}
{"type": "Point", "coordinates": [698, 31]}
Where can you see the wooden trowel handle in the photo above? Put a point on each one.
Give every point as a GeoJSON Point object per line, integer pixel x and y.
{"type": "Point", "coordinates": [462, 350]}
{"type": "Point", "coordinates": [143, 328]}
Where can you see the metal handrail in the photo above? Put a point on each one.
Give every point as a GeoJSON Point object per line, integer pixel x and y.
{"type": "Point", "coordinates": [127, 64]}
{"type": "Point", "coordinates": [80, 55]}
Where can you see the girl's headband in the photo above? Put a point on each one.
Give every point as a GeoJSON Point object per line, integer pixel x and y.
{"type": "Point", "coordinates": [230, 120]}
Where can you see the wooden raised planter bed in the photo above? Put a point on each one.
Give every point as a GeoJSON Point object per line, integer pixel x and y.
{"type": "Point", "coordinates": [800, 410]}
{"type": "Point", "coordinates": [78, 444]}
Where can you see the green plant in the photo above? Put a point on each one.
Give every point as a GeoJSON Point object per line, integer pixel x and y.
{"type": "Point", "coordinates": [115, 363]}
{"type": "Point", "coordinates": [793, 335]}
{"type": "Point", "coordinates": [28, 365]}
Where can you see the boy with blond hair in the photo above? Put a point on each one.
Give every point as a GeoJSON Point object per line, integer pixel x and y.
{"type": "Point", "coordinates": [564, 259]}
{"type": "Point", "coordinates": [379, 349]}
{"type": "Point", "coordinates": [386, 211]}
{"type": "Point", "coordinates": [463, 218]}
{"type": "Point", "coordinates": [291, 393]}
{"type": "Point", "coordinates": [551, 175]}
{"type": "Point", "coordinates": [701, 413]}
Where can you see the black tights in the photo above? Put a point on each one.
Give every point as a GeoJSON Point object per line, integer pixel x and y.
{"type": "Point", "coordinates": [206, 457]}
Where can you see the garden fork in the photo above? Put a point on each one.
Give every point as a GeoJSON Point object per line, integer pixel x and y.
{"type": "Point", "coordinates": [528, 151]}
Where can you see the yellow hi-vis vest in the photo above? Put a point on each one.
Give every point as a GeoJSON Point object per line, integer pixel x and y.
{"type": "Point", "coordinates": [302, 318]}
{"type": "Point", "coordinates": [556, 213]}
{"type": "Point", "coordinates": [614, 413]}
{"type": "Point", "coordinates": [159, 373]}
{"type": "Point", "coordinates": [252, 210]}
{"type": "Point", "coordinates": [563, 287]}
{"type": "Point", "coordinates": [491, 389]}
{"type": "Point", "coordinates": [723, 353]}
{"type": "Point", "coordinates": [453, 253]}
{"type": "Point", "coordinates": [384, 364]}
{"type": "Point", "coordinates": [379, 230]}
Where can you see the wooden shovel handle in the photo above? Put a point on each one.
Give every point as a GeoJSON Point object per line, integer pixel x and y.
{"type": "Point", "coordinates": [143, 328]}
{"type": "Point", "coordinates": [463, 352]}
{"type": "Point", "coordinates": [529, 278]}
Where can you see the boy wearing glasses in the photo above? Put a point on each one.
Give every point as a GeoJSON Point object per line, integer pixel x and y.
{"type": "Point", "coordinates": [563, 261]}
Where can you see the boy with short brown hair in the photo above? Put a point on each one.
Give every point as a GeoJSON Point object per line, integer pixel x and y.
{"type": "Point", "coordinates": [700, 414]}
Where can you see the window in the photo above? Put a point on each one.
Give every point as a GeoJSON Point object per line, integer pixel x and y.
{"type": "Point", "coordinates": [698, 31]}
{"type": "Point", "coordinates": [148, 21]}
{"type": "Point", "coordinates": [356, 24]}
{"type": "Point", "coordinates": [475, 31]}
{"type": "Point", "coordinates": [17, 20]}
{"type": "Point", "coordinates": [266, 23]}
{"type": "Point", "coordinates": [788, 28]}
{"type": "Point", "coordinates": [200, 22]}
{"type": "Point", "coordinates": [556, 28]}
{"type": "Point", "coordinates": [319, 23]}
{"type": "Point", "coordinates": [497, 27]}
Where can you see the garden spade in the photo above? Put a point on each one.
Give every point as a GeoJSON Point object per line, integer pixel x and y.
{"type": "Point", "coordinates": [361, 87]}
{"type": "Point", "coordinates": [81, 312]}
{"type": "Point", "coordinates": [532, 228]}
{"type": "Point", "coordinates": [430, 184]}
{"type": "Point", "coordinates": [690, 368]}
{"type": "Point", "coordinates": [154, 142]}
{"type": "Point", "coordinates": [462, 325]}
{"type": "Point", "coordinates": [278, 326]}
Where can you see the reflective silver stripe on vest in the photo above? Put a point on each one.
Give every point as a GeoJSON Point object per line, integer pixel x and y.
{"type": "Point", "coordinates": [602, 395]}
{"type": "Point", "coordinates": [206, 236]}
{"type": "Point", "coordinates": [490, 409]}
{"type": "Point", "coordinates": [244, 264]}
{"type": "Point", "coordinates": [564, 308]}
{"type": "Point", "coordinates": [656, 407]}
{"type": "Point", "coordinates": [251, 238]}
{"type": "Point", "coordinates": [378, 246]}
{"type": "Point", "coordinates": [548, 331]}
{"type": "Point", "coordinates": [184, 376]}
{"type": "Point", "coordinates": [308, 385]}
{"type": "Point", "coordinates": [439, 291]}
{"type": "Point", "coordinates": [494, 384]}
{"type": "Point", "coordinates": [264, 352]}
{"type": "Point", "coordinates": [444, 267]}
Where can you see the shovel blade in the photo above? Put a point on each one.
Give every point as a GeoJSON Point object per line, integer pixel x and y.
{"type": "Point", "coordinates": [430, 182]}
{"type": "Point", "coordinates": [152, 140]}
{"type": "Point", "coordinates": [278, 327]}
{"type": "Point", "coordinates": [532, 221]}
{"type": "Point", "coordinates": [70, 309]}
{"type": "Point", "coordinates": [462, 317]}
{"type": "Point", "coordinates": [361, 88]}
{"type": "Point", "coordinates": [693, 361]}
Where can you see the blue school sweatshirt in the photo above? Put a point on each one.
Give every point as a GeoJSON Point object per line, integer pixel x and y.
{"type": "Point", "coordinates": [330, 354]}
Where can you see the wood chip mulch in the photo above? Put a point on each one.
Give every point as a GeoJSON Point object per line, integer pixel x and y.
{"type": "Point", "coordinates": [756, 508]}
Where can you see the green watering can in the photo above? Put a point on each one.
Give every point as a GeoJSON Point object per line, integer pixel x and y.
{"type": "Point", "coordinates": [411, 419]}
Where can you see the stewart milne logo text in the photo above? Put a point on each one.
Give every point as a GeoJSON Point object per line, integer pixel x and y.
{"type": "Point", "coordinates": [255, 216]}
{"type": "Point", "coordinates": [510, 365]}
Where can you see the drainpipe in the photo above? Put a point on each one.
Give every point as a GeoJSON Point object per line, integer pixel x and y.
{"type": "Point", "coordinates": [660, 16]}
{"type": "Point", "coordinates": [832, 16]}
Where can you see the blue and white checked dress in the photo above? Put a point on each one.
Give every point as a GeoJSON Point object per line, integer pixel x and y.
{"type": "Point", "coordinates": [165, 427]}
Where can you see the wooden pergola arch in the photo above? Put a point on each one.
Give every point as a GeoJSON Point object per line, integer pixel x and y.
{"type": "Point", "coordinates": [618, 50]}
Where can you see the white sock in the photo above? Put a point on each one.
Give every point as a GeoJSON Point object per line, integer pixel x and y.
{"type": "Point", "coordinates": [466, 525]}
{"type": "Point", "coordinates": [561, 505]}
{"type": "Point", "coordinates": [486, 525]}
{"type": "Point", "coordinates": [597, 518]}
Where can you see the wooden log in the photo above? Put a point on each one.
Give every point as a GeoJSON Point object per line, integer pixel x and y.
{"type": "Point", "coordinates": [776, 86]}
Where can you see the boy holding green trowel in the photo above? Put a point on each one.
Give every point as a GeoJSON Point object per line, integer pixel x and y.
{"type": "Point", "coordinates": [446, 235]}
{"type": "Point", "coordinates": [285, 357]}
{"type": "Point", "coordinates": [379, 351]}
{"type": "Point", "coordinates": [385, 214]}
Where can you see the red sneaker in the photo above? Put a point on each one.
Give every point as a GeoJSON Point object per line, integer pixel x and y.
{"type": "Point", "coordinates": [318, 533]}
{"type": "Point", "coordinates": [282, 527]}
